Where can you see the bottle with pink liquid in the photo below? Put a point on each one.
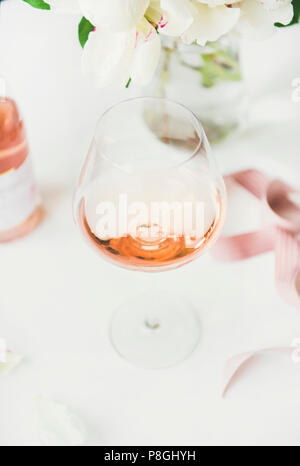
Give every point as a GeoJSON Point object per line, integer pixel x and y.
{"type": "Point", "coordinates": [20, 209]}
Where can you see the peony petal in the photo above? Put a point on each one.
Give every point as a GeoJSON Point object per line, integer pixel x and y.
{"type": "Point", "coordinates": [146, 59]}
{"type": "Point", "coordinates": [283, 15]}
{"type": "Point", "coordinates": [58, 425]}
{"type": "Point", "coordinates": [214, 3]}
{"type": "Point", "coordinates": [113, 68]}
{"type": "Point", "coordinates": [117, 15]}
{"type": "Point", "coordinates": [178, 17]}
{"type": "Point", "coordinates": [210, 23]}
{"type": "Point", "coordinates": [65, 6]}
{"type": "Point", "coordinates": [257, 20]}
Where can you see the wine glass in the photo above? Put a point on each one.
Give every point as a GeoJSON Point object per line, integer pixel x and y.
{"type": "Point", "coordinates": [150, 199]}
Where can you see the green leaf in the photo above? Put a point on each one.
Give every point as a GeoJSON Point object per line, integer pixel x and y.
{"type": "Point", "coordinates": [219, 66]}
{"type": "Point", "coordinates": [84, 30]}
{"type": "Point", "coordinates": [128, 83]}
{"type": "Point", "coordinates": [40, 4]}
{"type": "Point", "coordinates": [296, 18]}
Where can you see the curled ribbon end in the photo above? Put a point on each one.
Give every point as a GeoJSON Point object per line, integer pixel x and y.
{"type": "Point", "coordinates": [233, 368]}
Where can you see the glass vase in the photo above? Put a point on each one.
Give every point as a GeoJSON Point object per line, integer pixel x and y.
{"type": "Point", "coordinates": [208, 80]}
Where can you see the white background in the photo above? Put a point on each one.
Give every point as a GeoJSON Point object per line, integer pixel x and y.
{"type": "Point", "coordinates": [57, 296]}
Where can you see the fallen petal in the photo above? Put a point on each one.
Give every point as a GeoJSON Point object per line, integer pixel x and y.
{"type": "Point", "coordinates": [58, 425]}
{"type": "Point", "coordinates": [13, 360]}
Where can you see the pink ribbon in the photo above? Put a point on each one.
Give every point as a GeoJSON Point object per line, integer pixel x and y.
{"type": "Point", "coordinates": [279, 235]}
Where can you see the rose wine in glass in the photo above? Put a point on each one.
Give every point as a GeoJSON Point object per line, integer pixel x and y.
{"type": "Point", "coordinates": [146, 250]}
{"type": "Point", "coordinates": [151, 199]}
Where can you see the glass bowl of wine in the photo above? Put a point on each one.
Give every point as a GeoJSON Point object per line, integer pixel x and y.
{"type": "Point", "coordinates": [150, 199]}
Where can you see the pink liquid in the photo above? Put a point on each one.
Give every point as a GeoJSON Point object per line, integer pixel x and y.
{"type": "Point", "coordinates": [13, 154]}
{"type": "Point", "coordinates": [135, 253]}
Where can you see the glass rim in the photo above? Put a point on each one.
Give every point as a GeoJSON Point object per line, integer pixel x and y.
{"type": "Point", "coordinates": [193, 117]}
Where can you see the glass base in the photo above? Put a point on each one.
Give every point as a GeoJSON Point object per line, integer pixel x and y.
{"type": "Point", "coordinates": [155, 330]}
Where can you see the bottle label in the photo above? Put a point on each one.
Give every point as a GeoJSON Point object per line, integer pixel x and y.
{"type": "Point", "coordinates": [18, 195]}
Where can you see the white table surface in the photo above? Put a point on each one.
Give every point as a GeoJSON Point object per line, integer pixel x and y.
{"type": "Point", "coordinates": [57, 296]}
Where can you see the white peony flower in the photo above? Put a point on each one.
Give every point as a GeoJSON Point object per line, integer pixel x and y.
{"type": "Point", "coordinates": [125, 45]}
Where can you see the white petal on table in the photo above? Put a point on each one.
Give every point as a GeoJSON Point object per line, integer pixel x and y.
{"type": "Point", "coordinates": [58, 425]}
{"type": "Point", "coordinates": [12, 361]}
